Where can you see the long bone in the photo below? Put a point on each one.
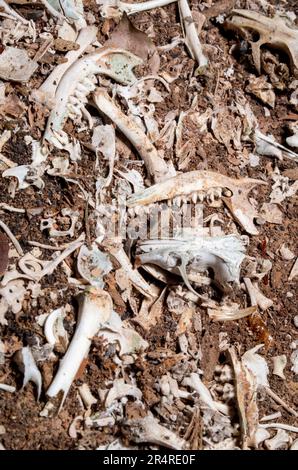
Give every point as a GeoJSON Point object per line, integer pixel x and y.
{"type": "Point", "coordinates": [79, 80]}
{"type": "Point", "coordinates": [197, 185]}
{"type": "Point", "coordinates": [155, 164]}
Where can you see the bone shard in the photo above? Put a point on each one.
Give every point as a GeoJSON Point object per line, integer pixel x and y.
{"type": "Point", "coordinates": [192, 39]}
{"type": "Point", "coordinates": [201, 183]}
{"type": "Point", "coordinates": [27, 365]}
{"type": "Point", "coordinates": [272, 31]}
{"type": "Point", "coordinates": [79, 80]}
{"type": "Point", "coordinates": [148, 430]}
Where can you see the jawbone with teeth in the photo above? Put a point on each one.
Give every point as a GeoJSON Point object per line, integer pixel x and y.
{"type": "Point", "coordinates": [183, 256]}
{"type": "Point", "coordinates": [200, 185]}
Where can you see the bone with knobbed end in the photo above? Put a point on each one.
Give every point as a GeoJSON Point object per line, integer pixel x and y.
{"type": "Point", "coordinates": [191, 182]}
{"type": "Point", "coordinates": [46, 91]}
{"type": "Point", "coordinates": [149, 430]}
{"type": "Point", "coordinates": [79, 80]}
{"type": "Point", "coordinates": [155, 164]}
{"type": "Point", "coordinates": [272, 31]}
{"type": "Point", "coordinates": [94, 310]}
{"type": "Point", "coordinates": [12, 13]}
{"type": "Point", "coordinates": [191, 36]}
{"type": "Point", "coordinates": [118, 253]}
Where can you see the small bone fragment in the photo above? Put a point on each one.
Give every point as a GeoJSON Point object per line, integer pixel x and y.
{"type": "Point", "coordinates": [294, 271]}
{"type": "Point", "coordinates": [256, 296]}
{"type": "Point", "coordinates": [87, 396]}
{"type": "Point", "coordinates": [279, 363]}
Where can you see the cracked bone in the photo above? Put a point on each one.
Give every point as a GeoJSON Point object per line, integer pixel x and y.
{"type": "Point", "coordinates": [148, 430]}
{"type": "Point", "coordinates": [156, 166]}
{"type": "Point", "coordinates": [235, 192]}
{"type": "Point", "coordinates": [135, 277]}
{"type": "Point", "coordinates": [95, 309]}
{"type": "Point", "coordinates": [192, 40]}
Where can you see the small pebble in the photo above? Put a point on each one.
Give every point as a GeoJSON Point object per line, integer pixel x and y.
{"type": "Point", "coordinates": [296, 321]}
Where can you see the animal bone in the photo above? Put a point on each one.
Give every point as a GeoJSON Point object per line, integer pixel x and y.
{"type": "Point", "coordinates": [79, 80]}
{"type": "Point", "coordinates": [279, 440]}
{"type": "Point", "coordinates": [197, 185]}
{"type": "Point", "coordinates": [95, 309]}
{"type": "Point", "coordinates": [279, 363]}
{"type": "Point", "coordinates": [49, 224]}
{"type": "Point", "coordinates": [70, 10]}
{"type": "Point", "coordinates": [137, 280]}
{"type": "Point", "coordinates": [121, 389]}
{"type": "Point", "coordinates": [246, 394]}
{"type": "Point", "coordinates": [27, 365]}
{"type": "Point", "coordinates": [54, 330]}
{"type": "Point", "coordinates": [156, 166]}
{"type": "Point", "coordinates": [9, 12]}
{"type": "Point", "coordinates": [195, 383]}
{"type": "Point", "coordinates": [46, 91]}
{"type": "Point", "coordinates": [256, 296]}
{"type": "Point", "coordinates": [115, 8]}
{"type": "Point", "coordinates": [93, 265]}
{"type": "Point", "coordinates": [148, 429]}
{"type": "Point", "coordinates": [223, 254]}
{"type": "Point", "coordinates": [272, 31]}
{"type": "Point", "coordinates": [191, 36]}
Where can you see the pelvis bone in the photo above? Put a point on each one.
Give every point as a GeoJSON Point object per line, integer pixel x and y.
{"type": "Point", "coordinates": [200, 185]}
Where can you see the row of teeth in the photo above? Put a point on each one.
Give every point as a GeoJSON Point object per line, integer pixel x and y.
{"type": "Point", "coordinates": [79, 97]}
{"type": "Point", "coordinates": [210, 196]}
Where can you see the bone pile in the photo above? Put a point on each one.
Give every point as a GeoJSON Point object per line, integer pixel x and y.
{"type": "Point", "coordinates": [107, 118]}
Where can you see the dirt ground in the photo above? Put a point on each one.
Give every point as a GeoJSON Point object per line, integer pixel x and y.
{"type": "Point", "coordinates": [229, 72]}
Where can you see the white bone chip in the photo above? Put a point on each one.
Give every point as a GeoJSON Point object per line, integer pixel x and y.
{"type": "Point", "coordinates": [279, 363]}
{"type": "Point", "coordinates": [16, 65]}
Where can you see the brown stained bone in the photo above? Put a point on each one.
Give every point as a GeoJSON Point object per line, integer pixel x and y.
{"type": "Point", "coordinates": [273, 32]}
